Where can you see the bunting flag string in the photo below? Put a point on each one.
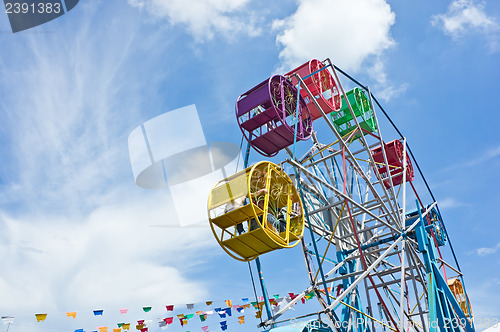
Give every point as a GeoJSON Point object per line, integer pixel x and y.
{"type": "Point", "coordinates": [224, 314]}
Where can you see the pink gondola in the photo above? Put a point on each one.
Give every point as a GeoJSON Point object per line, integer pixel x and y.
{"type": "Point", "coordinates": [322, 86]}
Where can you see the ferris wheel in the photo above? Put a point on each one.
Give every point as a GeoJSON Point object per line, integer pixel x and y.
{"type": "Point", "coordinates": [373, 263]}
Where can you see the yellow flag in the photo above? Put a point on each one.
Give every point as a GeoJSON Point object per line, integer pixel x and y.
{"type": "Point", "coordinates": [71, 314]}
{"type": "Point", "coordinates": [229, 303]}
{"type": "Point", "coordinates": [126, 326]}
{"type": "Point", "coordinates": [40, 317]}
{"type": "Point", "coordinates": [241, 319]}
{"type": "Point", "coordinates": [117, 330]}
{"type": "Point", "coordinates": [103, 328]}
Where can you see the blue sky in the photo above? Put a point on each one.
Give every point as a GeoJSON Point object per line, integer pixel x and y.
{"type": "Point", "coordinates": [77, 234]}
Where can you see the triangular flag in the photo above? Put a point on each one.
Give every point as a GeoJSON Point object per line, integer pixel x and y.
{"type": "Point", "coordinates": [169, 320]}
{"type": "Point", "coordinates": [246, 306]}
{"type": "Point", "coordinates": [258, 314]}
{"type": "Point", "coordinates": [139, 326]}
{"type": "Point", "coordinates": [123, 311]}
{"type": "Point", "coordinates": [98, 313]}
{"type": "Point", "coordinates": [209, 302]}
{"type": "Point", "coordinates": [203, 317]}
{"type": "Point", "coordinates": [245, 300]}
{"type": "Point", "coordinates": [293, 296]}
{"type": "Point", "coordinates": [40, 317]}
{"type": "Point", "coordinates": [204, 328]}
{"type": "Point", "coordinates": [71, 314]}
{"type": "Point", "coordinates": [209, 312]}
{"type": "Point", "coordinates": [170, 307]}
{"type": "Point", "coordinates": [339, 289]}
{"type": "Point", "coordinates": [229, 303]}
{"type": "Point", "coordinates": [103, 329]}
{"type": "Point", "coordinates": [144, 329]}
{"type": "Point", "coordinates": [189, 316]}
{"type": "Point", "coordinates": [79, 330]}
{"type": "Point", "coordinates": [199, 312]}
{"type": "Point", "coordinates": [8, 319]}
{"type": "Point", "coordinates": [228, 311]}
{"type": "Point", "coordinates": [180, 316]}
{"type": "Point", "coordinates": [261, 298]}
{"type": "Point", "coordinates": [140, 322]}
{"type": "Point", "coordinates": [276, 296]}
{"type": "Point", "coordinates": [117, 330]}
{"type": "Point", "coordinates": [241, 319]}
{"type": "Point", "coordinates": [119, 324]}
{"type": "Point", "coordinates": [190, 306]}
{"type": "Point", "coordinates": [147, 309]}
{"type": "Point", "coordinates": [240, 309]}
{"type": "Point", "coordinates": [126, 326]}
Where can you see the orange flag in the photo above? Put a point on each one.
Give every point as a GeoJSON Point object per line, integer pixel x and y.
{"type": "Point", "coordinates": [71, 314]}
{"type": "Point", "coordinates": [241, 320]}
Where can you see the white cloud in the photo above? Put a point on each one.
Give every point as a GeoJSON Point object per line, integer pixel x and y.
{"type": "Point", "coordinates": [486, 251]}
{"type": "Point", "coordinates": [450, 203]}
{"type": "Point", "coordinates": [351, 33]}
{"type": "Point", "coordinates": [384, 88]}
{"type": "Point", "coordinates": [204, 18]}
{"type": "Point", "coordinates": [481, 159]}
{"type": "Point", "coordinates": [466, 16]}
{"type": "Point", "coordinates": [73, 230]}
{"type": "Point", "coordinates": [345, 31]}
{"type": "Point", "coordinates": [65, 96]}
{"type": "Point", "coordinates": [111, 258]}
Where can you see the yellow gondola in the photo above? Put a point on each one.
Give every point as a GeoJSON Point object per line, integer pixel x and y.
{"type": "Point", "coordinates": [255, 211]}
{"type": "Point", "coordinates": [457, 289]}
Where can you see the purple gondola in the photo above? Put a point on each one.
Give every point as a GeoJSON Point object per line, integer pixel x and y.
{"type": "Point", "coordinates": [269, 117]}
